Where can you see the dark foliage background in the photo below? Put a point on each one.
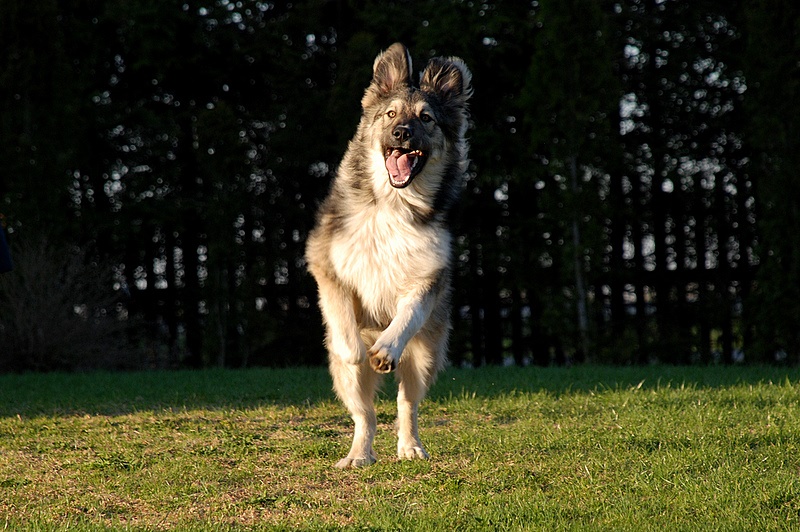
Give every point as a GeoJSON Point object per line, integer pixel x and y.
{"type": "Point", "coordinates": [632, 197]}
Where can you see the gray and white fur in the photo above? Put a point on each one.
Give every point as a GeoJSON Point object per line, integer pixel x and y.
{"type": "Point", "coordinates": [381, 250]}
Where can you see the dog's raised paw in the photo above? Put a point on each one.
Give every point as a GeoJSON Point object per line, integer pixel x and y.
{"type": "Point", "coordinates": [349, 462]}
{"type": "Point", "coordinates": [381, 361]}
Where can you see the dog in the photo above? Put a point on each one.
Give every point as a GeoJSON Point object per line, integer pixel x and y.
{"type": "Point", "coordinates": [381, 248]}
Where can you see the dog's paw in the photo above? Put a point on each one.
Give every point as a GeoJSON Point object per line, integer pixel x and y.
{"type": "Point", "coordinates": [349, 462]}
{"type": "Point", "coordinates": [381, 360]}
{"type": "Point", "coordinates": [412, 452]}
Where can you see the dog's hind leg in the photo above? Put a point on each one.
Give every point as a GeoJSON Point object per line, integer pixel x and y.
{"type": "Point", "coordinates": [423, 358]}
{"type": "Point", "coordinates": [356, 385]}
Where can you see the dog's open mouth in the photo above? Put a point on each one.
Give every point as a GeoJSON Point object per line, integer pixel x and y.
{"type": "Point", "coordinates": [403, 165]}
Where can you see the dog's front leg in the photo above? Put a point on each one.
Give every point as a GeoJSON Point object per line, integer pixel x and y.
{"type": "Point", "coordinates": [413, 311]}
{"type": "Point", "coordinates": [338, 309]}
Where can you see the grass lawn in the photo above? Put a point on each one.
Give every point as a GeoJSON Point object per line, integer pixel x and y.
{"type": "Point", "coordinates": [584, 448]}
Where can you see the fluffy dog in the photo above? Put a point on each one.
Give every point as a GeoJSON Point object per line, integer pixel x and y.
{"type": "Point", "coordinates": [381, 248]}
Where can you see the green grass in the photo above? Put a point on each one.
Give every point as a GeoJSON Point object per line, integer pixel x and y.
{"type": "Point", "coordinates": [585, 448]}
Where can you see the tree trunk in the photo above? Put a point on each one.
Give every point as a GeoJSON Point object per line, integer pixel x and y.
{"type": "Point", "coordinates": [517, 338]}
{"type": "Point", "coordinates": [580, 288]}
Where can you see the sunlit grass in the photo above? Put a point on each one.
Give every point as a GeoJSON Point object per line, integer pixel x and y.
{"type": "Point", "coordinates": [512, 449]}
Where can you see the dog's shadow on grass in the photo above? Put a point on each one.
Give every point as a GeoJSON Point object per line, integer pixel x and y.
{"type": "Point", "coordinates": [107, 393]}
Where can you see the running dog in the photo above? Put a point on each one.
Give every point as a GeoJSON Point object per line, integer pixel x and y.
{"type": "Point", "coordinates": [380, 251]}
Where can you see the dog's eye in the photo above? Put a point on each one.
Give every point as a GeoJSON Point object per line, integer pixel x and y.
{"type": "Point", "coordinates": [391, 114]}
{"type": "Point", "coordinates": [425, 117]}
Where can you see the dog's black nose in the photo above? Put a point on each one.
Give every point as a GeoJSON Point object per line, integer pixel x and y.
{"type": "Point", "coordinates": [402, 133]}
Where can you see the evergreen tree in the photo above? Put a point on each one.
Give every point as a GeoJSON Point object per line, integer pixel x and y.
{"type": "Point", "coordinates": [773, 81]}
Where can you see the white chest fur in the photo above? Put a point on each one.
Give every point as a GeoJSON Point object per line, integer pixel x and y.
{"type": "Point", "coordinates": [382, 254]}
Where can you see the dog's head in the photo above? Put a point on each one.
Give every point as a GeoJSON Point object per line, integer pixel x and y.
{"type": "Point", "coordinates": [416, 127]}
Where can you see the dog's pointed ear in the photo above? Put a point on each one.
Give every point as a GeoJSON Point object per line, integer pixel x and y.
{"type": "Point", "coordinates": [392, 69]}
{"type": "Point", "coordinates": [449, 78]}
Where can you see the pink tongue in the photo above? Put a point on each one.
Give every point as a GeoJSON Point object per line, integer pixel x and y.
{"type": "Point", "coordinates": [398, 164]}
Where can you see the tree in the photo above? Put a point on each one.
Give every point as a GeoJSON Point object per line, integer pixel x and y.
{"type": "Point", "coordinates": [568, 120]}
{"type": "Point", "coordinates": [773, 81]}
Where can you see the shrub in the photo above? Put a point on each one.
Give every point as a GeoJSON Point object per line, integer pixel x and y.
{"type": "Point", "coordinates": [58, 311]}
